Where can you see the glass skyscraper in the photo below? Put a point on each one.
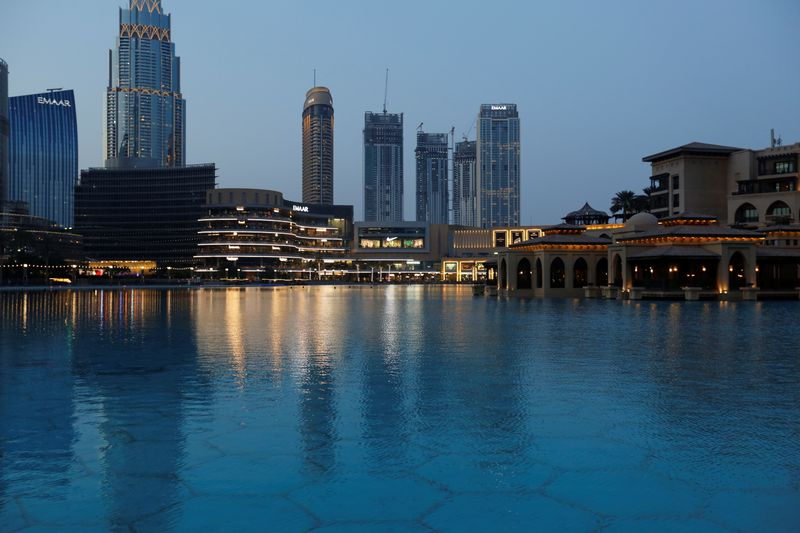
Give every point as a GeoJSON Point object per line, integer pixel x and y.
{"type": "Point", "coordinates": [383, 167]}
{"type": "Point", "coordinates": [4, 131]}
{"type": "Point", "coordinates": [44, 154]}
{"type": "Point", "coordinates": [318, 147]}
{"type": "Point", "coordinates": [498, 165]}
{"type": "Point", "coordinates": [465, 194]}
{"type": "Point", "coordinates": [432, 190]}
{"type": "Point", "coordinates": [145, 113]}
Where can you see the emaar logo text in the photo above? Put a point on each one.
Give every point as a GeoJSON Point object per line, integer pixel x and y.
{"type": "Point", "coordinates": [50, 101]}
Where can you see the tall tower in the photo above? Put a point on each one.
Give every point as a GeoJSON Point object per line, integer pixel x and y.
{"type": "Point", "coordinates": [465, 194]}
{"type": "Point", "coordinates": [4, 131]}
{"type": "Point", "coordinates": [145, 113]}
{"type": "Point", "coordinates": [432, 190]}
{"type": "Point", "coordinates": [318, 147]}
{"type": "Point", "coordinates": [498, 165]}
{"type": "Point", "coordinates": [383, 167]}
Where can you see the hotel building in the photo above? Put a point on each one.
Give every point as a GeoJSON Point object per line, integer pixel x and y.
{"type": "Point", "coordinates": [4, 132]}
{"type": "Point", "coordinates": [433, 196]}
{"type": "Point", "coordinates": [383, 167]}
{"type": "Point", "coordinates": [318, 147]}
{"type": "Point", "coordinates": [44, 155]}
{"type": "Point", "coordinates": [498, 166]}
{"type": "Point", "coordinates": [465, 192]}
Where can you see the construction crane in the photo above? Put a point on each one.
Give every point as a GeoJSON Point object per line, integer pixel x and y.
{"type": "Point", "coordinates": [419, 128]}
{"type": "Point", "coordinates": [386, 91]}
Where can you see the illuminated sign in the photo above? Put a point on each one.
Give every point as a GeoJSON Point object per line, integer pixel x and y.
{"type": "Point", "coordinates": [499, 108]}
{"type": "Point", "coordinates": [300, 208]}
{"type": "Point", "coordinates": [49, 101]}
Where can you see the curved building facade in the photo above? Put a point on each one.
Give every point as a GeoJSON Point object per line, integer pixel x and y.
{"type": "Point", "coordinates": [44, 154]}
{"type": "Point", "coordinates": [145, 113]}
{"type": "Point", "coordinates": [4, 131]}
{"type": "Point", "coordinates": [318, 147]}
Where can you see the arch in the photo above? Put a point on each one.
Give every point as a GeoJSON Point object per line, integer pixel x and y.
{"type": "Point", "coordinates": [746, 214]}
{"type": "Point", "coordinates": [502, 275]}
{"type": "Point", "coordinates": [524, 274]}
{"type": "Point", "coordinates": [736, 272]}
{"type": "Point", "coordinates": [601, 271]}
{"type": "Point", "coordinates": [580, 273]}
{"type": "Point", "coordinates": [558, 274]}
{"type": "Point", "coordinates": [538, 273]}
{"type": "Point", "coordinates": [779, 210]}
{"type": "Point", "coordinates": [617, 270]}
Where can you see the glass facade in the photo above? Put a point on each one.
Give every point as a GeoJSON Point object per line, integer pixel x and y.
{"type": "Point", "coordinates": [383, 167]}
{"type": "Point", "coordinates": [465, 196]}
{"type": "Point", "coordinates": [44, 154]}
{"type": "Point", "coordinates": [145, 113]}
{"type": "Point", "coordinates": [4, 131]}
{"type": "Point", "coordinates": [147, 214]}
{"type": "Point", "coordinates": [318, 147]}
{"type": "Point", "coordinates": [432, 169]}
{"type": "Point", "coordinates": [498, 165]}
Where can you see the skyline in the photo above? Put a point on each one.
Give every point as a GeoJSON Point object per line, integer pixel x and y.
{"type": "Point", "coordinates": [589, 136]}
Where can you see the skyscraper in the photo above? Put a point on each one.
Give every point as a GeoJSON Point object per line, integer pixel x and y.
{"type": "Point", "coordinates": [4, 131]}
{"type": "Point", "coordinates": [498, 165]}
{"type": "Point", "coordinates": [383, 167]}
{"type": "Point", "coordinates": [318, 147]}
{"type": "Point", "coordinates": [43, 151]}
{"type": "Point", "coordinates": [432, 191]}
{"type": "Point", "coordinates": [465, 194]}
{"type": "Point", "coordinates": [145, 113]}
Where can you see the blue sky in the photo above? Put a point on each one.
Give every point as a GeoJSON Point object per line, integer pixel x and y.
{"type": "Point", "coordinates": [599, 85]}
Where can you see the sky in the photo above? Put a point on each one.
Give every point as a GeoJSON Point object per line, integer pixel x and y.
{"type": "Point", "coordinates": [598, 85]}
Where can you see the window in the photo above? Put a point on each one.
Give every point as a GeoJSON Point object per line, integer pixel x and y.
{"type": "Point", "coordinates": [676, 200]}
{"type": "Point", "coordinates": [784, 167]}
{"type": "Point", "coordinates": [676, 182]}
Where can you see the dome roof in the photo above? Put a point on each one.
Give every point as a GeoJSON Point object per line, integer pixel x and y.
{"type": "Point", "coordinates": [318, 96]}
{"type": "Point", "coordinates": [641, 222]}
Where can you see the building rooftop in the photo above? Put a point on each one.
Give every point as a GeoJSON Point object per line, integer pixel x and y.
{"type": "Point", "coordinates": [694, 148]}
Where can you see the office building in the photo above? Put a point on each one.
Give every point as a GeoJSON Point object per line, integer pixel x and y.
{"type": "Point", "coordinates": [432, 175]}
{"type": "Point", "coordinates": [318, 147]}
{"type": "Point", "coordinates": [142, 214]}
{"type": "Point", "coordinates": [256, 233]}
{"type": "Point", "coordinates": [44, 154]}
{"type": "Point", "coordinates": [145, 113]}
{"type": "Point", "coordinates": [4, 132]}
{"type": "Point", "coordinates": [465, 192]}
{"type": "Point", "coordinates": [383, 167]}
{"type": "Point", "coordinates": [498, 165]}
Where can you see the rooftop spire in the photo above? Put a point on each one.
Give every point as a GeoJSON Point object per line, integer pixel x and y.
{"type": "Point", "coordinates": [149, 5]}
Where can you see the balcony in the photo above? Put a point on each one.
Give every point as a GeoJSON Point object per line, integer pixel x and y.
{"type": "Point", "coordinates": [766, 186]}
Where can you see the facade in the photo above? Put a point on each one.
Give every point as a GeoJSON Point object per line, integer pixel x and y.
{"type": "Point", "coordinates": [142, 214]}
{"type": "Point", "coordinates": [465, 192]}
{"type": "Point", "coordinates": [4, 132]}
{"type": "Point", "coordinates": [44, 154]}
{"type": "Point", "coordinates": [256, 233]}
{"type": "Point", "coordinates": [498, 165]}
{"type": "Point", "coordinates": [145, 113]}
{"type": "Point", "coordinates": [318, 147]}
{"type": "Point", "coordinates": [401, 250]}
{"type": "Point", "coordinates": [383, 167]}
{"type": "Point", "coordinates": [432, 175]}
{"type": "Point", "coordinates": [690, 179]}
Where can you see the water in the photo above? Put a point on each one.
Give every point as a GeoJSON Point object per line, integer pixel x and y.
{"type": "Point", "coordinates": [395, 409]}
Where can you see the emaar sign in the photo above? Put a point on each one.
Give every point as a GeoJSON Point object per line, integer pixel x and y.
{"type": "Point", "coordinates": [300, 208]}
{"type": "Point", "coordinates": [51, 101]}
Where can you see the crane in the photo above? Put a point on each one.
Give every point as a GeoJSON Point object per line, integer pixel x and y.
{"type": "Point", "coordinates": [419, 128]}
{"type": "Point", "coordinates": [386, 91]}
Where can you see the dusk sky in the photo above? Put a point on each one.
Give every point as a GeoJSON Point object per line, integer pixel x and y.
{"type": "Point", "coordinates": [598, 85]}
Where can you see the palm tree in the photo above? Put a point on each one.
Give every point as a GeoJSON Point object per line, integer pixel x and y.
{"type": "Point", "coordinates": [624, 201]}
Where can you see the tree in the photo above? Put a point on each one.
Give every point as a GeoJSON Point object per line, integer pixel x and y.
{"type": "Point", "coordinates": [630, 203]}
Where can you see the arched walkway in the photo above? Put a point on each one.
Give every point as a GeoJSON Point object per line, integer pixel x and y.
{"type": "Point", "coordinates": [524, 274]}
{"type": "Point", "coordinates": [580, 273]}
{"type": "Point", "coordinates": [558, 274]}
{"type": "Point", "coordinates": [538, 273]}
{"type": "Point", "coordinates": [746, 214]}
{"type": "Point", "coordinates": [601, 271]}
{"type": "Point", "coordinates": [736, 272]}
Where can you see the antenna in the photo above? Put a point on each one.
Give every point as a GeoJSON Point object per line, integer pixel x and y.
{"type": "Point", "coordinates": [386, 91]}
{"type": "Point", "coordinates": [315, 77]}
{"type": "Point", "coordinates": [773, 140]}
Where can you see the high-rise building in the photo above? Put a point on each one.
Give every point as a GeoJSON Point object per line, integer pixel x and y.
{"type": "Point", "coordinates": [43, 149]}
{"type": "Point", "coordinates": [465, 193]}
{"type": "Point", "coordinates": [318, 147]}
{"type": "Point", "coordinates": [4, 131]}
{"type": "Point", "coordinates": [145, 113]}
{"type": "Point", "coordinates": [383, 167]}
{"type": "Point", "coordinates": [498, 165]}
{"type": "Point", "coordinates": [432, 190]}
{"type": "Point", "coordinates": [144, 214]}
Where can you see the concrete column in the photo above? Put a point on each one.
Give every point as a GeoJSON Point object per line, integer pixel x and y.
{"type": "Point", "coordinates": [513, 263]}
{"type": "Point", "coordinates": [569, 271]}
{"type": "Point", "coordinates": [546, 259]}
{"type": "Point", "coordinates": [591, 276]}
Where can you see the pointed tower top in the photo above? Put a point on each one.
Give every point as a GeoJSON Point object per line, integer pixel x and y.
{"type": "Point", "coordinates": [153, 6]}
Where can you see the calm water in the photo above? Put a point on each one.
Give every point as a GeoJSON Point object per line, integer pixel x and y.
{"type": "Point", "coordinates": [397, 409]}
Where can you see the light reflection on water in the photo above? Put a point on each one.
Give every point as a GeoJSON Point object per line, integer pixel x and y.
{"type": "Point", "coordinates": [395, 407]}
